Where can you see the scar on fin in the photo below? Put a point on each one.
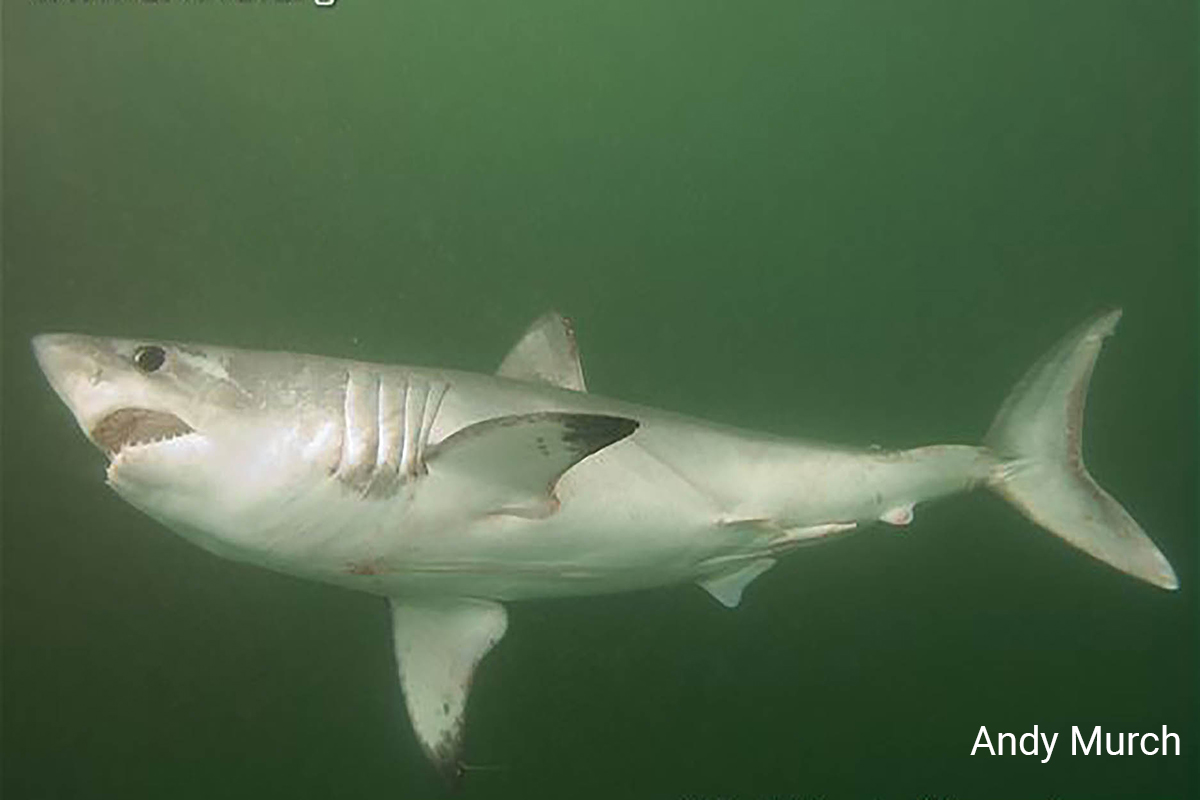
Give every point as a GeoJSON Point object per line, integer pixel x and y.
{"type": "Point", "coordinates": [900, 515]}
{"type": "Point", "coordinates": [536, 509]}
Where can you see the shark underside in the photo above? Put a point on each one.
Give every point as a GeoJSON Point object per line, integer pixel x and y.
{"type": "Point", "coordinates": [450, 493]}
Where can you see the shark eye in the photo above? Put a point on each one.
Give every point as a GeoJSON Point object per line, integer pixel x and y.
{"type": "Point", "coordinates": [149, 358]}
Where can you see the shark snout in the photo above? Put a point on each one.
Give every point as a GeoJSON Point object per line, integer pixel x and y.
{"type": "Point", "coordinates": [73, 366]}
{"type": "Point", "coordinates": [47, 348]}
{"type": "Point", "coordinates": [114, 400]}
{"type": "Point", "coordinates": [64, 358]}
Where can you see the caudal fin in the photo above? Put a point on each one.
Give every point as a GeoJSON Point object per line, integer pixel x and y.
{"type": "Point", "coordinates": [1037, 436]}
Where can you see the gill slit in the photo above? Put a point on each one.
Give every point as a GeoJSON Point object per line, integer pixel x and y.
{"type": "Point", "coordinates": [406, 443]}
{"type": "Point", "coordinates": [432, 407]}
{"type": "Point", "coordinates": [380, 429]}
{"type": "Point", "coordinates": [345, 424]}
{"type": "Point", "coordinates": [414, 416]}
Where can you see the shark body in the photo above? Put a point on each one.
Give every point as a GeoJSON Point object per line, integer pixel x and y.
{"type": "Point", "coordinates": [451, 493]}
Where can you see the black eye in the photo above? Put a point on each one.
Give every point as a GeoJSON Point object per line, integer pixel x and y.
{"type": "Point", "coordinates": [149, 357]}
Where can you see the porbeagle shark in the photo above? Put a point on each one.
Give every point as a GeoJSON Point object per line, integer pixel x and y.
{"type": "Point", "coordinates": [451, 494]}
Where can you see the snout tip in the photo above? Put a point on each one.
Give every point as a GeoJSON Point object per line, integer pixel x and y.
{"type": "Point", "coordinates": [49, 348]}
{"type": "Point", "coordinates": [44, 342]}
{"type": "Point", "coordinates": [44, 345]}
{"type": "Point", "coordinates": [63, 358]}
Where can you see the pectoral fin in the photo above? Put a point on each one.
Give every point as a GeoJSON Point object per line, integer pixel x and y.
{"type": "Point", "coordinates": [438, 643]}
{"type": "Point", "coordinates": [513, 463]}
{"type": "Point", "coordinates": [546, 354]}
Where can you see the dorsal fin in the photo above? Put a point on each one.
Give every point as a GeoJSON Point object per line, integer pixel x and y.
{"type": "Point", "coordinates": [546, 354]}
{"type": "Point", "coordinates": [438, 644]}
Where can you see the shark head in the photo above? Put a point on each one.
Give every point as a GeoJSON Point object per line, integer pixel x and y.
{"type": "Point", "coordinates": [176, 426]}
{"type": "Point", "coordinates": [141, 400]}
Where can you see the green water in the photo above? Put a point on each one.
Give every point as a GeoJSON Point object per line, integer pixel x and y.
{"type": "Point", "coordinates": [840, 219]}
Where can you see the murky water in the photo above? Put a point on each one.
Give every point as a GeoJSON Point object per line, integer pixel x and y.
{"type": "Point", "coordinates": [849, 221]}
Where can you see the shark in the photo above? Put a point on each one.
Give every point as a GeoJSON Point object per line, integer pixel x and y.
{"type": "Point", "coordinates": [453, 494]}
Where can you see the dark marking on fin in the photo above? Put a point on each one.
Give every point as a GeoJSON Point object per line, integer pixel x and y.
{"type": "Point", "coordinates": [591, 432]}
{"type": "Point", "coordinates": [516, 461]}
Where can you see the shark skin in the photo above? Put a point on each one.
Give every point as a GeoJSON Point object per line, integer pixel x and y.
{"type": "Point", "coordinates": [451, 493]}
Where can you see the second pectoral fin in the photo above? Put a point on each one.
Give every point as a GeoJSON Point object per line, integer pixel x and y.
{"type": "Point", "coordinates": [438, 643]}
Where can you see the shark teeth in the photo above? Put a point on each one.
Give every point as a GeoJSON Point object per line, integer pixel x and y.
{"type": "Point", "coordinates": [128, 427]}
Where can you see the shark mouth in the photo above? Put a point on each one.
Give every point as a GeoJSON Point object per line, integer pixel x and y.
{"type": "Point", "coordinates": [133, 426]}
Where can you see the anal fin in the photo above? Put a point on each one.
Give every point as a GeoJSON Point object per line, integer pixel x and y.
{"type": "Point", "coordinates": [438, 643]}
{"type": "Point", "coordinates": [900, 515]}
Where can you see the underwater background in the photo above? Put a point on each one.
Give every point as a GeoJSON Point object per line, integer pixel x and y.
{"type": "Point", "coordinates": [846, 220]}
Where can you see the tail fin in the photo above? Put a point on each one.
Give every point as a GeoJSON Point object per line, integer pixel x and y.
{"type": "Point", "coordinates": [1037, 435]}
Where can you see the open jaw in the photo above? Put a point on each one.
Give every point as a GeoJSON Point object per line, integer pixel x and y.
{"type": "Point", "coordinates": [126, 427]}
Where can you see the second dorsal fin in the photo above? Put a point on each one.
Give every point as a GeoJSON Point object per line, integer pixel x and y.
{"type": "Point", "coordinates": [546, 354]}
